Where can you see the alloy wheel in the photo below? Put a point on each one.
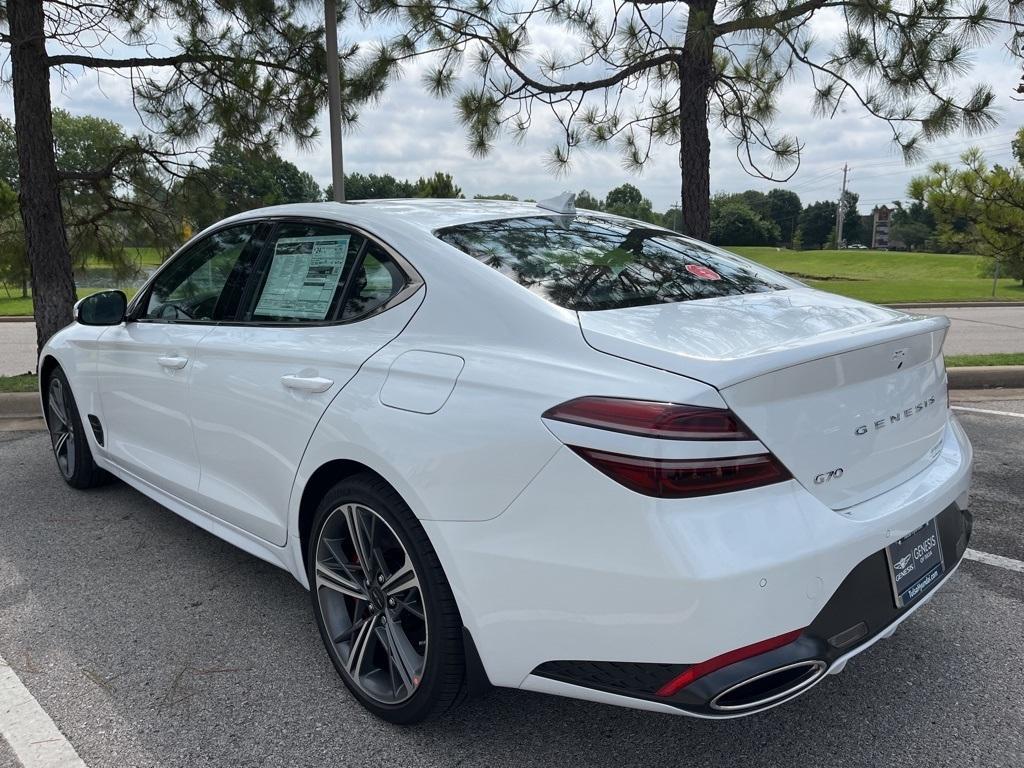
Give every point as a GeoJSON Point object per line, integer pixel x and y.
{"type": "Point", "coordinates": [62, 427]}
{"type": "Point", "coordinates": [372, 604]}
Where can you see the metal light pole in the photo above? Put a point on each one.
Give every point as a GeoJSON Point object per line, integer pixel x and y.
{"type": "Point", "coordinates": [334, 99]}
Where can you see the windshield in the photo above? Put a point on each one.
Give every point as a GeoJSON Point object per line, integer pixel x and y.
{"type": "Point", "coordinates": [592, 263]}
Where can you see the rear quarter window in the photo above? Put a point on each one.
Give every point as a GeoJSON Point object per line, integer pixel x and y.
{"type": "Point", "coordinates": [591, 263]}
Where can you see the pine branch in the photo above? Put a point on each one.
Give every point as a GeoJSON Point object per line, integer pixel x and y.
{"type": "Point", "coordinates": [771, 20]}
{"type": "Point", "coordinates": [140, 62]}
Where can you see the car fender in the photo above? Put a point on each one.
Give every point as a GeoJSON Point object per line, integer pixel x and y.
{"type": "Point", "coordinates": [73, 348]}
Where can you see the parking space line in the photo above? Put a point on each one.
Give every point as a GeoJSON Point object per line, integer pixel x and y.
{"type": "Point", "coordinates": [25, 726]}
{"type": "Point", "coordinates": [997, 560]}
{"type": "Point", "coordinates": [986, 410]}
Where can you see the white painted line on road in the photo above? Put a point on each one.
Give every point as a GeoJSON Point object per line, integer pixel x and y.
{"type": "Point", "coordinates": [32, 735]}
{"type": "Point", "coordinates": [986, 410]}
{"type": "Point", "coordinates": [997, 560]}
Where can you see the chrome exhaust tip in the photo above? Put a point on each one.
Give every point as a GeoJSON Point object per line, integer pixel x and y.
{"type": "Point", "coordinates": [769, 687]}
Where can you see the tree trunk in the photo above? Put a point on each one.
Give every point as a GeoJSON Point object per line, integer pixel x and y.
{"type": "Point", "coordinates": [695, 79]}
{"type": "Point", "coordinates": [53, 283]}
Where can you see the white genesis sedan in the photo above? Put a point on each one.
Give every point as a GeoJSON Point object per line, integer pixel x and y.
{"type": "Point", "coordinates": [527, 446]}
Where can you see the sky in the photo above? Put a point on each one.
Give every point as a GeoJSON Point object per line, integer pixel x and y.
{"type": "Point", "coordinates": [411, 134]}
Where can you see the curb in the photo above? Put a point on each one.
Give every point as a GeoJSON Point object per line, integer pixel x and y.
{"type": "Point", "coordinates": [17, 319]}
{"type": "Point", "coordinates": [20, 412]}
{"type": "Point", "coordinates": [986, 377]}
{"type": "Point", "coordinates": [20, 405]}
{"type": "Point", "coordinates": [956, 305]}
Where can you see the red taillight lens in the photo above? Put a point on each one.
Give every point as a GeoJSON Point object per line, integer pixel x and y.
{"type": "Point", "coordinates": [652, 419]}
{"type": "Point", "coordinates": [676, 684]}
{"type": "Point", "coordinates": [685, 478]}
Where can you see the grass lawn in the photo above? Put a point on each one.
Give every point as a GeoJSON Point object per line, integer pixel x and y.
{"type": "Point", "coordinates": [143, 257]}
{"type": "Point", "coordinates": [888, 277]}
{"type": "Point", "coordinates": [12, 305]}
{"type": "Point", "coordinates": [146, 257]}
{"type": "Point", "coordinates": [15, 306]}
{"type": "Point", "coordinates": [1001, 358]}
{"type": "Point", "coordinates": [25, 382]}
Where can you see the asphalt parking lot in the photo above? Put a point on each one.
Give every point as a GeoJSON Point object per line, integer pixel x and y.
{"type": "Point", "coordinates": [149, 642]}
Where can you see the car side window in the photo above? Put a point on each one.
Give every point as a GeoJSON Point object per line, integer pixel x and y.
{"type": "Point", "coordinates": [303, 275]}
{"type": "Point", "coordinates": [202, 283]}
{"type": "Point", "coordinates": [315, 273]}
{"type": "Point", "coordinates": [375, 281]}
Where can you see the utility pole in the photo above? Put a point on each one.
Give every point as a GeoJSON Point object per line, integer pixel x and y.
{"type": "Point", "coordinates": [334, 99]}
{"type": "Point", "coordinates": [841, 211]}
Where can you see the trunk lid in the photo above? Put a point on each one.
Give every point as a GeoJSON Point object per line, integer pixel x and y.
{"type": "Point", "coordinates": [849, 396]}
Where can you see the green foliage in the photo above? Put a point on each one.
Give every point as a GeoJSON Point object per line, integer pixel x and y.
{"type": "Point", "coordinates": [439, 185]}
{"type": "Point", "coordinates": [979, 207]}
{"type": "Point", "coordinates": [783, 208]}
{"type": "Point", "coordinates": [853, 231]}
{"type": "Point", "coordinates": [111, 192]}
{"type": "Point", "coordinates": [13, 262]}
{"type": "Point", "coordinates": [816, 225]}
{"type": "Point", "coordinates": [626, 200]}
{"type": "Point", "coordinates": [912, 225]}
{"type": "Point", "coordinates": [734, 222]}
{"type": "Point", "coordinates": [8, 154]}
{"type": "Point", "coordinates": [586, 200]}
{"type": "Point", "coordinates": [371, 186]}
{"type": "Point", "coordinates": [8, 201]}
{"type": "Point", "coordinates": [501, 196]}
{"type": "Point", "coordinates": [238, 179]}
{"type": "Point", "coordinates": [673, 219]}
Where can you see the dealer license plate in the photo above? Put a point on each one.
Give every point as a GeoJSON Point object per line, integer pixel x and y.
{"type": "Point", "coordinates": [915, 563]}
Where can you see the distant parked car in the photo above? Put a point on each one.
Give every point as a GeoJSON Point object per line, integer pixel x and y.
{"type": "Point", "coordinates": [857, 247]}
{"type": "Point", "coordinates": [515, 444]}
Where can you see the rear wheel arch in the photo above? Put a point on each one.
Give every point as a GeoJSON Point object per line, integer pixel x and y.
{"type": "Point", "coordinates": [323, 479]}
{"type": "Point", "coordinates": [320, 482]}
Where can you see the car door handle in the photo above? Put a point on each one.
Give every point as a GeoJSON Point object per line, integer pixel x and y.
{"type": "Point", "coordinates": [307, 383]}
{"type": "Point", "coordinates": [173, 362]}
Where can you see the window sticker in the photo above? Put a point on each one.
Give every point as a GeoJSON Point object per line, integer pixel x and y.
{"type": "Point", "coordinates": [304, 277]}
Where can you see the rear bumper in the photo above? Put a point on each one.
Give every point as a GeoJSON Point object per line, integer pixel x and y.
{"type": "Point", "coordinates": [861, 612]}
{"type": "Point", "coordinates": [633, 590]}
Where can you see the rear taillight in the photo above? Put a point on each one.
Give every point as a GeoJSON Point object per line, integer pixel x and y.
{"type": "Point", "coordinates": [670, 478]}
{"type": "Point", "coordinates": [648, 418]}
{"type": "Point", "coordinates": [686, 478]}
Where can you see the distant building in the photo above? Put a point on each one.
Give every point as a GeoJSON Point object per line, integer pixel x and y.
{"type": "Point", "coordinates": [880, 228]}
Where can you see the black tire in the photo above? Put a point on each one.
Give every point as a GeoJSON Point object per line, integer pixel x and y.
{"type": "Point", "coordinates": [67, 435]}
{"type": "Point", "coordinates": [442, 683]}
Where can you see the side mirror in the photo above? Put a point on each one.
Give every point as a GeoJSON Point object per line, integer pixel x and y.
{"type": "Point", "coordinates": [103, 308]}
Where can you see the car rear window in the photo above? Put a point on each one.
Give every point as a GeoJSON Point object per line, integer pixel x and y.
{"type": "Point", "coordinates": [591, 263]}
